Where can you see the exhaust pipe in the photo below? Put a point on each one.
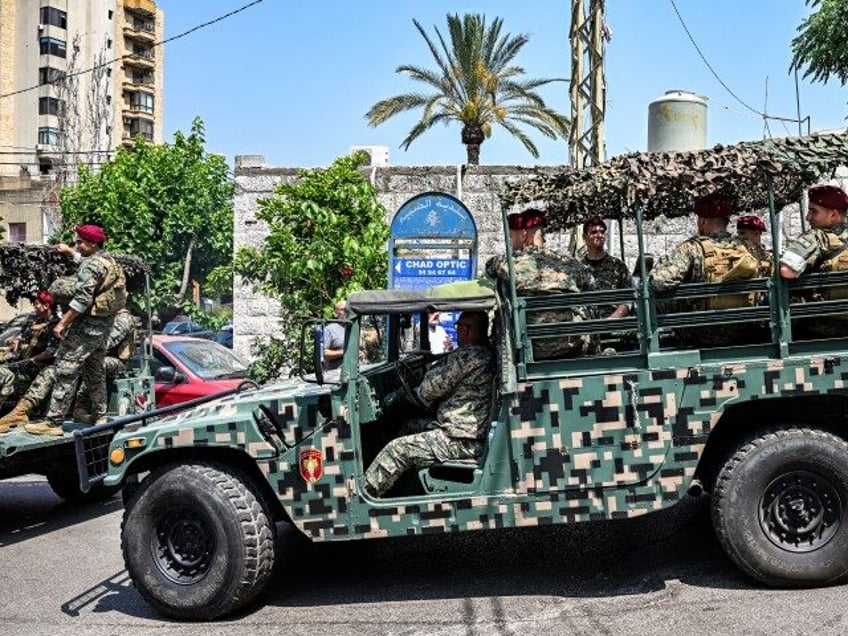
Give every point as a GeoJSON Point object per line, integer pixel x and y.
{"type": "Point", "coordinates": [696, 488]}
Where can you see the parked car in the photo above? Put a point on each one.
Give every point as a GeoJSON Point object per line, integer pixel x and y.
{"type": "Point", "coordinates": [185, 368]}
{"type": "Point", "coordinates": [225, 335]}
{"type": "Point", "coordinates": [185, 326]}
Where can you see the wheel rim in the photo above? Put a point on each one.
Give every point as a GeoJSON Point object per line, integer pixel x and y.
{"type": "Point", "coordinates": [800, 511]}
{"type": "Point", "coordinates": [183, 545]}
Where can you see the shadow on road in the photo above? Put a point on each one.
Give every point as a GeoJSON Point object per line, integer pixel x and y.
{"type": "Point", "coordinates": [29, 508]}
{"type": "Point", "coordinates": [596, 559]}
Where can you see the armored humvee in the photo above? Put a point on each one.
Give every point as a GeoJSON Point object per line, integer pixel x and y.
{"type": "Point", "coordinates": [761, 425]}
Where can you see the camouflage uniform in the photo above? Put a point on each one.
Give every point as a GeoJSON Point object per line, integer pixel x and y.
{"type": "Point", "coordinates": [461, 383]}
{"type": "Point", "coordinates": [810, 252]}
{"type": "Point", "coordinates": [119, 348]}
{"type": "Point", "coordinates": [686, 265]}
{"type": "Point", "coordinates": [609, 272]}
{"type": "Point", "coordinates": [540, 271]}
{"type": "Point", "coordinates": [37, 338]}
{"type": "Point", "coordinates": [82, 351]}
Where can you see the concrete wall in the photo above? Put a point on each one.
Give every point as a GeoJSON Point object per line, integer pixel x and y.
{"type": "Point", "coordinates": [476, 186]}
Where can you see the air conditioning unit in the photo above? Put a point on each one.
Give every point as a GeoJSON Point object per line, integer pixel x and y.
{"type": "Point", "coordinates": [40, 28]}
{"type": "Point", "coordinates": [377, 155]}
{"type": "Point", "coordinates": [126, 134]}
{"type": "Point", "coordinates": [40, 147]}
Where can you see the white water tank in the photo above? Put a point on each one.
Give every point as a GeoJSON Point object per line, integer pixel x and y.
{"type": "Point", "coordinates": [677, 121]}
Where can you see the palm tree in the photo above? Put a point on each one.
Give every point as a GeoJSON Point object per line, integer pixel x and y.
{"type": "Point", "coordinates": [475, 84]}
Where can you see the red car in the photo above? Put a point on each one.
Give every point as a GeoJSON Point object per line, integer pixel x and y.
{"type": "Point", "coordinates": [185, 368]}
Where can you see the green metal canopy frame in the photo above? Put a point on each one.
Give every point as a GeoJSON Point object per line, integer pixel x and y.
{"type": "Point", "coordinates": [666, 183]}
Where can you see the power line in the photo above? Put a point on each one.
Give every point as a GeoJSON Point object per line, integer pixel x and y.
{"type": "Point", "coordinates": [709, 66]}
{"type": "Point", "coordinates": [154, 45]}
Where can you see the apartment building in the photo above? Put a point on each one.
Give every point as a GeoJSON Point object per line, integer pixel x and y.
{"type": "Point", "coordinates": [78, 78]}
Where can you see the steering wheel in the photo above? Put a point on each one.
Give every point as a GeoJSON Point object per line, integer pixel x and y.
{"type": "Point", "coordinates": [407, 376]}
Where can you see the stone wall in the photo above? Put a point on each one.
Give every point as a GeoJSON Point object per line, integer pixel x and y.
{"type": "Point", "coordinates": [476, 186]}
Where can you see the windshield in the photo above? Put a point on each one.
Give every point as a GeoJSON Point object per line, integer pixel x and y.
{"type": "Point", "coordinates": [207, 359]}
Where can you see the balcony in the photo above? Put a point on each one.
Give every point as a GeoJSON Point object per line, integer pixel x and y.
{"type": "Point", "coordinates": [143, 7]}
{"type": "Point", "coordinates": [140, 59]}
{"type": "Point", "coordinates": [134, 32]}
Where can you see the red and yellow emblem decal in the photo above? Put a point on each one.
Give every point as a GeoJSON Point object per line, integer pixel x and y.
{"type": "Point", "coordinates": [311, 465]}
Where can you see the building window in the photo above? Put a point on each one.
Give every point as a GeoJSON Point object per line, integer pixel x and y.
{"type": "Point", "coordinates": [45, 166]}
{"type": "Point", "coordinates": [49, 75]}
{"type": "Point", "coordinates": [142, 51]}
{"type": "Point", "coordinates": [17, 232]}
{"type": "Point", "coordinates": [139, 127]}
{"type": "Point", "coordinates": [54, 16]}
{"type": "Point", "coordinates": [50, 106]}
{"type": "Point", "coordinates": [51, 46]}
{"type": "Point", "coordinates": [49, 136]}
{"type": "Point", "coordinates": [110, 12]}
{"type": "Point", "coordinates": [141, 101]}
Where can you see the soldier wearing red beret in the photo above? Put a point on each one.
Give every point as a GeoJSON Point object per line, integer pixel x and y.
{"type": "Point", "coordinates": [707, 257]}
{"type": "Point", "coordinates": [829, 230]}
{"type": "Point", "coordinates": [99, 294]}
{"type": "Point", "coordinates": [750, 228]}
{"type": "Point", "coordinates": [822, 248]}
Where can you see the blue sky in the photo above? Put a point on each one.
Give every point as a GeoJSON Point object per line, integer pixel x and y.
{"type": "Point", "coordinates": [292, 80]}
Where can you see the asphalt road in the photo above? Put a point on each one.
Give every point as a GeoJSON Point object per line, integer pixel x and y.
{"type": "Point", "coordinates": [61, 574]}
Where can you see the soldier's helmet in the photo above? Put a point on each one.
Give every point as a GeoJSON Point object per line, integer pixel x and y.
{"type": "Point", "coordinates": [62, 289]}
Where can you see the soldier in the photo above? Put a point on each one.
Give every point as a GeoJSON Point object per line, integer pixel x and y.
{"type": "Point", "coordinates": [814, 249]}
{"type": "Point", "coordinates": [823, 248]}
{"type": "Point", "coordinates": [713, 255]}
{"type": "Point", "coordinates": [539, 271]}
{"type": "Point", "coordinates": [750, 228]}
{"type": "Point", "coordinates": [608, 271]}
{"type": "Point", "coordinates": [35, 348]}
{"type": "Point", "coordinates": [120, 348]}
{"type": "Point", "coordinates": [459, 386]}
{"type": "Point", "coordinates": [99, 294]}
{"type": "Point", "coordinates": [61, 290]}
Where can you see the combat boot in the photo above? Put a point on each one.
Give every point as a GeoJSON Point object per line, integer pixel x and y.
{"type": "Point", "coordinates": [45, 428]}
{"type": "Point", "coordinates": [17, 416]}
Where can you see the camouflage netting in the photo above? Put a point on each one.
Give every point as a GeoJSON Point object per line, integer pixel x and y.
{"type": "Point", "coordinates": [24, 269]}
{"type": "Point", "coordinates": [666, 183]}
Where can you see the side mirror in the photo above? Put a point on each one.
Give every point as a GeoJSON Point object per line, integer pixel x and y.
{"type": "Point", "coordinates": [169, 375]}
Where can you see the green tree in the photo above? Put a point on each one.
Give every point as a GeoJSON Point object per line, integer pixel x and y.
{"type": "Point", "coordinates": [820, 50]}
{"type": "Point", "coordinates": [327, 237]}
{"type": "Point", "coordinates": [475, 84]}
{"type": "Point", "coordinates": [169, 204]}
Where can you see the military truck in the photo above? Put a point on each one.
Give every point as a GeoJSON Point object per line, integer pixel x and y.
{"type": "Point", "coordinates": [26, 268]}
{"type": "Point", "coordinates": [760, 426]}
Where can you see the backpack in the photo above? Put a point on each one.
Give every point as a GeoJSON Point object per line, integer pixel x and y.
{"type": "Point", "coordinates": [836, 261]}
{"type": "Point", "coordinates": [112, 295]}
{"type": "Point", "coordinates": [728, 262]}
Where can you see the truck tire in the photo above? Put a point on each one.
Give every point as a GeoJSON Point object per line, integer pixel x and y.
{"type": "Point", "coordinates": [779, 507]}
{"type": "Point", "coordinates": [197, 542]}
{"type": "Point", "coordinates": [65, 483]}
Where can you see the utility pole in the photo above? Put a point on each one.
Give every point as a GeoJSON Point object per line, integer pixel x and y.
{"type": "Point", "coordinates": [587, 90]}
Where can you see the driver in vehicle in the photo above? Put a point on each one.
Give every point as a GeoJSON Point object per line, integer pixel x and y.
{"type": "Point", "coordinates": [459, 386]}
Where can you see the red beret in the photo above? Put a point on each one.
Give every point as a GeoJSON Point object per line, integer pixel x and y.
{"type": "Point", "coordinates": [750, 222]}
{"type": "Point", "coordinates": [533, 218]}
{"type": "Point", "coordinates": [515, 221]}
{"type": "Point", "coordinates": [91, 233]}
{"type": "Point", "coordinates": [713, 206]}
{"type": "Point", "coordinates": [44, 296]}
{"type": "Point", "coordinates": [829, 197]}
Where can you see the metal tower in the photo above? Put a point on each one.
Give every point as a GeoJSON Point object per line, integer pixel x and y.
{"type": "Point", "coordinates": [588, 34]}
